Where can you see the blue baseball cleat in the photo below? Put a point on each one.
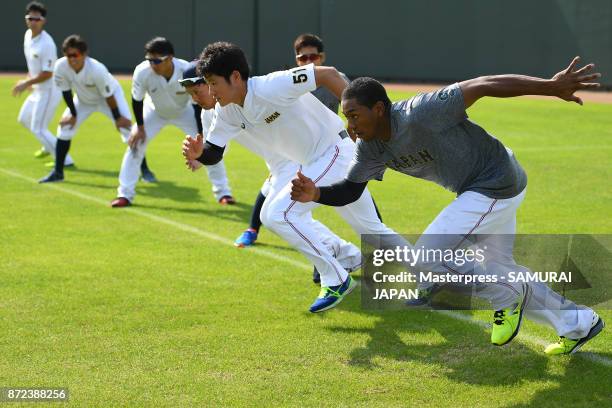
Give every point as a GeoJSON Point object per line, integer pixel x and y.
{"type": "Point", "coordinates": [247, 238]}
{"type": "Point", "coordinates": [331, 296]}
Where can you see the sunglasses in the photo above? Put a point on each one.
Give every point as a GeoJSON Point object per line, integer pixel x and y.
{"type": "Point", "coordinates": [191, 81]}
{"type": "Point", "coordinates": [308, 57]}
{"type": "Point", "coordinates": [157, 61]}
{"type": "Point", "coordinates": [73, 55]}
{"type": "Point", "coordinates": [31, 18]}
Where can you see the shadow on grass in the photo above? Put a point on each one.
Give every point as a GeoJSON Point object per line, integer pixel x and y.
{"type": "Point", "coordinates": [237, 212]}
{"type": "Point", "coordinates": [464, 354]}
{"type": "Point", "coordinates": [169, 189]}
{"type": "Point", "coordinates": [103, 173]}
{"type": "Point", "coordinates": [583, 384]}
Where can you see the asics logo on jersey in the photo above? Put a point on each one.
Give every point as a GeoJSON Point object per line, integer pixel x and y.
{"type": "Point", "coordinates": [272, 117]}
{"type": "Point", "coordinates": [407, 162]}
{"type": "Point", "coordinates": [445, 94]}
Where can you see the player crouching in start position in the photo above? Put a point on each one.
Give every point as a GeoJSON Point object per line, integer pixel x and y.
{"type": "Point", "coordinates": [96, 91]}
{"type": "Point", "coordinates": [430, 137]}
{"type": "Point", "coordinates": [278, 113]}
{"type": "Point", "coordinates": [166, 103]}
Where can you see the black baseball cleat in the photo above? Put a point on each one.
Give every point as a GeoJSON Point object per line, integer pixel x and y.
{"type": "Point", "coordinates": [52, 177]}
{"type": "Point", "coordinates": [148, 176]}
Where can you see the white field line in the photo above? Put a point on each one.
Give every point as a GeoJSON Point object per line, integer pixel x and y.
{"type": "Point", "coordinates": [161, 220]}
{"type": "Point", "coordinates": [262, 252]}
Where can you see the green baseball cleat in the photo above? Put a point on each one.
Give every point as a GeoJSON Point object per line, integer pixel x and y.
{"type": "Point", "coordinates": [66, 166]}
{"type": "Point", "coordinates": [570, 346]}
{"type": "Point", "coordinates": [331, 296]}
{"type": "Point", "coordinates": [41, 153]}
{"type": "Point", "coordinates": [507, 322]}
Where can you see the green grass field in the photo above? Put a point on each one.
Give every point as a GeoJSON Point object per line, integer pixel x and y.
{"type": "Point", "coordinates": [152, 305]}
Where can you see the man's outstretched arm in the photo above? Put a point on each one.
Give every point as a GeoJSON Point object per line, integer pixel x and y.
{"type": "Point", "coordinates": [562, 85]}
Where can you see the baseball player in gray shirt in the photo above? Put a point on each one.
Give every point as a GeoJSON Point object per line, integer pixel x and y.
{"type": "Point", "coordinates": [430, 137]}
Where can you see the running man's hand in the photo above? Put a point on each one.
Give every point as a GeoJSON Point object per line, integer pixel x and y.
{"type": "Point", "coordinates": [137, 136]}
{"type": "Point", "coordinates": [193, 165]}
{"type": "Point", "coordinates": [193, 148]}
{"type": "Point", "coordinates": [567, 82]}
{"type": "Point", "coordinates": [304, 189]}
{"type": "Point", "coordinates": [68, 121]}
{"type": "Point", "coordinates": [123, 122]}
{"type": "Point", "coordinates": [20, 87]}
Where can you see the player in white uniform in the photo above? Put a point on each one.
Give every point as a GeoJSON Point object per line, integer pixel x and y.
{"type": "Point", "coordinates": [41, 54]}
{"type": "Point", "coordinates": [281, 169]}
{"type": "Point", "coordinates": [96, 91]}
{"type": "Point", "coordinates": [280, 114]}
{"type": "Point", "coordinates": [166, 103]}
{"type": "Point", "coordinates": [308, 49]}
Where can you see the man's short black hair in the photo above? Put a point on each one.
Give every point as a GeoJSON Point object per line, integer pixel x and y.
{"type": "Point", "coordinates": [223, 58]}
{"type": "Point", "coordinates": [367, 91]}
{"type": "Point", "coordinates": [75, 41]}
{"type": "Point", "coordinates": [307, 40]}
{"type": "Point", "coordinates": [36, 6]}
{"type": "Point", "coordinates": [159, 46]}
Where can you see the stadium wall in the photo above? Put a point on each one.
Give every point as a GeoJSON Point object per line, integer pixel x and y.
{"type": "Point", "coordinates": [394, 40]}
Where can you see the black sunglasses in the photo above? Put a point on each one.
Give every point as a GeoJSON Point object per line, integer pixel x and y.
{"type": "Point", "coordinates": [191, 81]}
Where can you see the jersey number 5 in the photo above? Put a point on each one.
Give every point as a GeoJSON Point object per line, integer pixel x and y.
{"type": "Point", "coordinates": [298, 78]}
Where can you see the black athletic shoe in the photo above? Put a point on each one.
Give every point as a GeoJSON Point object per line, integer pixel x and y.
{"type": "Point", "coordinates": [52, 177]}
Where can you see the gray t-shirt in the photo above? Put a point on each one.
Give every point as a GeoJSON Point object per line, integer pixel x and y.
{"type": "Point", "coordinates": [327, 98]}
{"type": "Point", "coordinates": [433, 139]}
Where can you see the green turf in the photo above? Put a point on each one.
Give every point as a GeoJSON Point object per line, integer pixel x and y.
{"type": "Point", "coordinates": [126, 310]}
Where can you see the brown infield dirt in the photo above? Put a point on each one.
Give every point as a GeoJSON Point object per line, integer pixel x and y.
{"type": "Point", "coordinates": [590, 96]}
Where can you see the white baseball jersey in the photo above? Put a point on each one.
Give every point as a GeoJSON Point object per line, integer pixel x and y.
{"type": "Point", "coordinates": [273, 160]}
{"type": "Point", "coordinates": [167, 97]}
{"type": "Point", "coordinates": [93, 84]}
{"type": "Point", "coordinates": [41, 54]}
{"type": "Point", "coordinates": [281, 115]}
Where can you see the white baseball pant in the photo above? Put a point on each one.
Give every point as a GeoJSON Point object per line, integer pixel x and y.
{"type": "Point", "coordinates": [346, 253]}
{"type": "Point", "coordinates": [84, 110]}
{"type": "Point", "coordinates": [494, 223]}
{"type": "Point", "coordinates": [292, 220]}
{"type": "Point", "coordinates": [36, 113]}
{"type": "Point", "coordinates": [153, 124]}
